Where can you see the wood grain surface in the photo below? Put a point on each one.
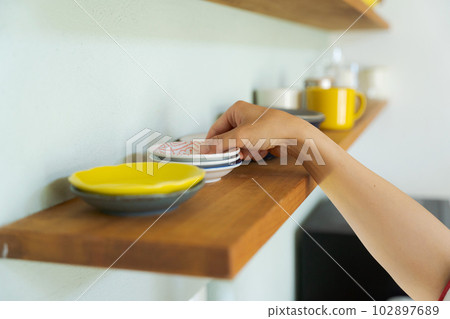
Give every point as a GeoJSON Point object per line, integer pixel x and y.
{"type": "Point", "coordinates": [213, 235]}
{"type": "Point", "coordinates": [326, 14]}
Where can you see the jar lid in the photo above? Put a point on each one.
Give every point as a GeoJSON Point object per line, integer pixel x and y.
{"type": "Point", "coordinates": [324, 83]}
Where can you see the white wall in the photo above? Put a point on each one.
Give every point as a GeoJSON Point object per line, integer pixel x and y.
{"type": "Point", "coordinates": [409, 144]}
{"type": "Point", "coordinates": [70, 98]}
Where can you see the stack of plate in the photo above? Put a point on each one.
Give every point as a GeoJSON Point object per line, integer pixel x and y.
{"type": "Point", "coordinates": [188, 152]}
{"type": "Point", "coordinates": [139, 188]}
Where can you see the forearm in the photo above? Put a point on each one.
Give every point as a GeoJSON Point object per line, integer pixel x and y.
{"type": "Point", "coordinates": [407, 240]}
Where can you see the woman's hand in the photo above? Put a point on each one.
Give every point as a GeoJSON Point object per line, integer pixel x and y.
{"type": "Point", "coordinates": [406, 239]}
{"type": "Point", "coordinates": [254, 129]}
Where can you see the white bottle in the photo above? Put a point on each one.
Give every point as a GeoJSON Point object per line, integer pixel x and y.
{"type": "Point", "coordinates": [344, 75]}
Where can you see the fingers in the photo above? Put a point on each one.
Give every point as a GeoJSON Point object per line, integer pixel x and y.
{"type": "Point", "coordinates": [222, 142]}
{"type": "Point", "coordinates": [223, 124]}
{"type": "Point", "coordinates": [245, 155]}
{"type": "Point", "coordinates": [253, 155]}
{"type": "Point", "coordinates": [263, 154]}
{"type": "Point", "coordinates": [275, 151]}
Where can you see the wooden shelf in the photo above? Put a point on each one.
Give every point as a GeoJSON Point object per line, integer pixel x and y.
{"type": "Point", "coordinates": [212, 235]}
{"type": "Point", "coordinates": [326, 14]}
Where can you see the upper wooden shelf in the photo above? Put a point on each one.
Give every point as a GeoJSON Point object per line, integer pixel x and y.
{"type": "Point", "coordinates": [326, 14]}
{"type": "Point", "coordinates": [213, 235]}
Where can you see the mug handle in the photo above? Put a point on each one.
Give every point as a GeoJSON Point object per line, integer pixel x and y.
{"type": "Point", "coordinates": [362, 105]}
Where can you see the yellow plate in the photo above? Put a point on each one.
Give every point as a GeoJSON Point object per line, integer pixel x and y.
{"type": "Point", "coordinates": [137, 178]}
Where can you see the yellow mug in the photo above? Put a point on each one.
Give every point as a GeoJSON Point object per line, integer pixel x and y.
{"type": "Point", "coordinates": [337, 104]}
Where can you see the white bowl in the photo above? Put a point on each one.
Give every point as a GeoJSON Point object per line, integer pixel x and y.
{"type": "Point", "coordinates": [188, 152]}
{"type": "Point", "coordinates": [286, 98]}
{"type": "Point", "coordinates": [200, 162]}
{"type": "Point", "coordinates": [214, 174]}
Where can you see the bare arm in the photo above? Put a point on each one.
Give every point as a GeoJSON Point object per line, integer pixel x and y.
{"type": "Point", "coordinates": [406, 239]}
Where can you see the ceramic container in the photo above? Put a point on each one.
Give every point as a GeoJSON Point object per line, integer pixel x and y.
{"type": "Point", "coordinates": [204, 164]}
{"type": "Point", "coordinates": [137, 178]}
{"type": "Point", "coordinates": [285, 98]}
{"type": "Point", "coordinates": [313, 117]}
{"type": "Point", "coordinates": [214, 174]}
{"type": "Point", "coordinates": [137, 205]}
{"type": "Point", "coordinates": [189, 151]}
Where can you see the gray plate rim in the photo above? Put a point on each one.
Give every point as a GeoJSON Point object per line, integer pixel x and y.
{"type": "Point", "coordinates": [80, 192]}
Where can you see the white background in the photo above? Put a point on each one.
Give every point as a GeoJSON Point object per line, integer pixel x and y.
{"type": "Point", "coordinates": [224, 310]}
